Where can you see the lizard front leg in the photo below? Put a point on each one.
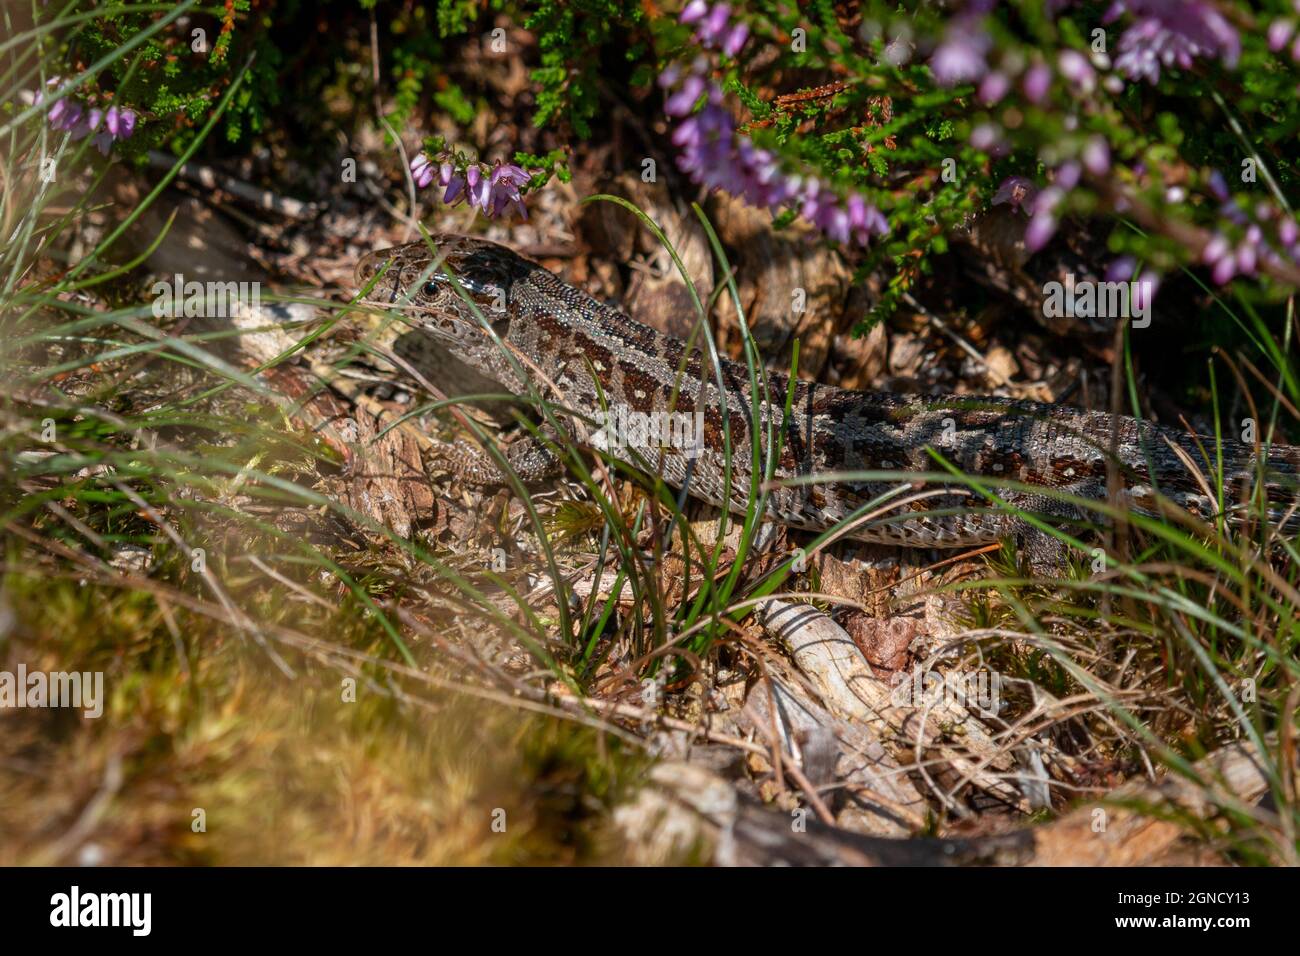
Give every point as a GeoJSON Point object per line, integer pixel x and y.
{"type": "Point", "coordinates": [1047, 554]}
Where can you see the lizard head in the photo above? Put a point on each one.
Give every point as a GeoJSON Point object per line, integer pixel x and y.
{"type": "Point", "coordinates": [440, 290]}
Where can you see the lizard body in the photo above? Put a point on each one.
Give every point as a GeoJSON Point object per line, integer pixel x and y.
{"type": "Point", "coordinates": [607, 368]}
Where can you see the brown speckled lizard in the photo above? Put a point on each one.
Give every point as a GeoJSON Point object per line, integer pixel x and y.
{"type": "Point", "coordinates": [558, 342]}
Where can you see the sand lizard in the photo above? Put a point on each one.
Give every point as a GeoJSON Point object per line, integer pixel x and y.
{"type": "Point", "coordinates": [606, 367]}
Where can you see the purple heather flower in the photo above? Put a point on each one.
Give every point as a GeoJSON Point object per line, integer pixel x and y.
{"type": "Point", "coordinates": [510, 174]}
{"type": "Point", "coordinates": [834, 220]}
{"type": "Point", "coordinates": [1172, 33]}
{"type": "Point", "coordinates": [1067, 175]}
{"type": "Point", "coordinates": [1043, 225]}
{"type": "Point", "coordinates": [1018, 192]}
{"type": "Point", "coordinates": [1075, 67]}
{"type": "Point", "coordinates": [480, 189]}
{"type": "Point", "coordinates": [993, 88]}
{"type": "Point", "coordinates": [1037, 81]}
{"type": "Point", "coordinates": [693, 11]}
{"type": "Point", "coordinates": [863, 218]}
{"type": "Point", "coordinates": [712, 30]}
{"type": "Point", "coordinates": [1279, 32]}
{"type": "Point", "coordinates": [1049, 199]}
{"type": "Point", "coordinates": [88, 125]}
{"type": "Point", "coordinates": [1288, 232]}
{"type": "Point", "coordinates": [103, 141]}
{"type": "Point", "coordinates": [683, 101]}
{"type": "Point", "coordinates": [1040, 231]}
{"type": "Point", "coordinates": [1218, 186]}
{"type": "Point", "coordinates": [1246, 259]}
{"type": "Point", "coordinates": [506, 179]}
{"type": "Point", "coordinates": [1215, 249]}
{"type": "Point", "coordinates": [712, 154]}
{"type": "Point", "coordinates": [59, 112]}
{"type": "Point", "coordinates": [960, 57]}
{"type": "Point", "coordinates": [1148, 284]}
{"type": "Point", "coordinates": [735, 39]}
{"type": "Point", "coordinates": [1234, 213]}
{"type": "Point", "coordinates": [422, 170]}
{"type": "Point", "coordinates": [1120, 269]}
{"type": "Point", "coordinates": [1096, 156]}
{"type": "Point", "coordinates": [72, 118]}
{"type": "Point", "coordinates": [1224, 269]}
{"type": "Point", "coordinates": [985, 136]}
{"type": "Point", "coordinates": [494, 191]}
{"type": "Point", "coordinates": [456, 189]}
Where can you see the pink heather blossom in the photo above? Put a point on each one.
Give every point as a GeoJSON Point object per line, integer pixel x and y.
{"type": "Point", "coordinates": [494, 192]}
{"type": "Point", "coordinates": [986, 136]}
{"type": "Point", "coordinates": [713, 154]}
{"type": "Point", "coordinates": [421, 171]}
{"type": "Point", "coordinates": [1224, 270]}
{"type": "Point", "coordinates": [1279, 32]}
{"type": "Point", "coordinates": [105, 127]}
{"type": "Point", "coordinates": [1215, 249]}
{"type": "Point", "coordinates": [454, 183]}
{"type": "Point", "coordinates": [1067, 175]}
{"type": "Point", "coordinates": [1172, 33]}
{"type": "Point", "coordinates": [479, 188]}
{"type": "Point", "coordinates": [1096, 156]}
{"type": "Point", "coordinates": [714, 27]}
{"type": "Point", "coordinates": [1120, 269]}
{"type": "Point", "coordinates": [1018, 192]}
{"type": "Point", "coordinates": [693, 12]}
{"type": "Point", "coordinates": [684, 100]}
{"type": "Point", "coordinates": [1288, 232]}
{"type": "Point", "coordinates": [960, 57]}
{"type": "Point", "coordinates": [89, 125]}
{"type": "Point", "coordinates": [1037, 81]}
{"type": "Point", "coordinates": [1246, 259]}
{"type": "Point", "coordinates": [1226, 261]}
{"type": "Point", "coordinates": [1074, 66]}
{"type": "Point", "coordinates": [1040, 231]}
{"type": "Point", "coordinates": [506, 179]}
{"type": "Point", "coordinates": [993, 88]}
{"type": "Point", "coordinates": [735, 39]}
{"type": "Point", "coordinates": [1043, 225]}
{"type": "Point", "coordinates": [1218, 186]}
{"type": "Point", "coordinates": [64, 114]}
{"type": "Point", "coordinates": [1148, 285]}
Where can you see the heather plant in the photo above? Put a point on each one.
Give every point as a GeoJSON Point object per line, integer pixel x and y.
{"type": "Point", "coordinates": [1163, 123]}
